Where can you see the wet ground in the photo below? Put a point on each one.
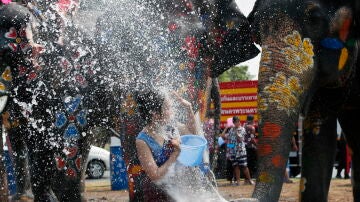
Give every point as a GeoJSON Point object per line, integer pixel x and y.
{"type": "Point", "coordinates": [340, 191]}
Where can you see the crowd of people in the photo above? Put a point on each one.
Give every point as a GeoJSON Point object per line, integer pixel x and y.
{"type": "Point", "coordinates": [235, 150]}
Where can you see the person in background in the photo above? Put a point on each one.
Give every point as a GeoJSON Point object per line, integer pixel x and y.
{"type": "Point", "coordinates": [251, 143]}
{"type": "Point", "coordinates": [294, 147]}
{"type": "Point", "coordinates": [236, 151]}
{"type": "Point", "coordinates": [221, 170]}
{"type": "Point", "coordinates": [341, 157]}
{"type": "Point", "coordinates": [209, 133]}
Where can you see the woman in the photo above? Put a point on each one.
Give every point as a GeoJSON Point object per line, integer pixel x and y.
{"type": "Point", "coordinates": [157, 145]}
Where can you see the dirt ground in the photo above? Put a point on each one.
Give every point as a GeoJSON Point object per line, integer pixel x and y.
{"type": "Point", "coordinates": [340, 191]}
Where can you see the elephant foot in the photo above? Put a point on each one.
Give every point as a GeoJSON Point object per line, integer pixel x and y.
{"type": "Point", "coordinates": [22, 197]}
{"type": "Point", "coordinates": [245, 200]}
{"type": "Point", "coordinates": [83, 198]}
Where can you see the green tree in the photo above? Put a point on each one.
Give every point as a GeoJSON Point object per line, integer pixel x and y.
{"type": "Point", "coordinates": [236, 73]}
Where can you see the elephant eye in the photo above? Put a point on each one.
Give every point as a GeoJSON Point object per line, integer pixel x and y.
{"type": "Point", "coordinates": [316, 24]}
{"type": "Point", "coordinates": [313, 13]}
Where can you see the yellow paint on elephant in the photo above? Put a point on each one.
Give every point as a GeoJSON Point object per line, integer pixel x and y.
{"type": "Point", "coordinates": [6, 75]}
{"type": "Point", "coordinates": [129, 105]}
{"type": "Point", "coordinates": [230, 24]}
{"type": "Point", "coordinates": [182, 66]}
{"type": "Point", "coordinates": [308, 47]}
{"type": "Point", "coordinates": [284, 92]}
{"type": "Point", "coordinates": [263, 69]}
{"type": "Point", "coordinates": [343, 58]}
{"type": "Point", "coordinates": [302, 184]}
{"type": "Point", "coordinates": [265, 177]}
{"type": "Point", "coordinates": [300, 53]}
{"type": "Point", "coordinates": [262, 105]}
{"type": "Point", "coordinates": [294, 84]}
{"type": "Point", "coordinates": [2, 86]}
{"type": "Point", "coordinates": [265, 55]}
{"type": "Point", "coordinates": [294, 39]}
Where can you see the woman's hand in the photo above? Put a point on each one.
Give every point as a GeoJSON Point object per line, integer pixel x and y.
{"type": "Point", "coordinates": [176, 144]}
{"type": "Point", "coordinates": [190, 122]}
{"type": "Point", "coordinates": [181, 100]}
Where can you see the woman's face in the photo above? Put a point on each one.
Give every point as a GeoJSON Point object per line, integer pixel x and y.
{"type": "Point", "coordinates": [167, 112]}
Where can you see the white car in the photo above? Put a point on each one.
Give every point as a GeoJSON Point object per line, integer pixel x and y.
{"type": "Point", "coordinates": [97, 162]}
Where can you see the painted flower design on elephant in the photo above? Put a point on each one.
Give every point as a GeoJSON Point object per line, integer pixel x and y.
{"type": "Point", "coordinates": [17, 40]}
{"type": "Point", "coordinates": [70, 159]}
{"type": "Point", "coordinates": [284, 92]}
{"type": "Point", "coordinates": [265, 56]}
{"type": "Point", "coordinates": [6, 78]}
{"type": "Point", "coordinates": [262, 105]}
{"type": "Point", "coordinates": [300, 53]}
{"type": "Point", "coordinates": [191, 46]}
{"type": "Point", "coordinates": [128, 106]}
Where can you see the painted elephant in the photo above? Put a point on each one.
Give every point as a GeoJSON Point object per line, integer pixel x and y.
{"type": "Point", "coordinates": [177, 45]}
{"type": "Point", "coordinates": [55, 96]}
{"type": "Point", "coordinates": [308, 66]}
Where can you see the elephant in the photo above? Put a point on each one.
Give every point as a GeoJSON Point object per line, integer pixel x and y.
{"type": "Point", "coordinates": [55, 95]}
{"type": "Point", "coordinates": [309, 66]}
{"type": "Point", "coordinates": [68, 84]}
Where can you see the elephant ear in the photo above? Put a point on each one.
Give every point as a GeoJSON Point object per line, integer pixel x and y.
{"type": "Point", "coordinates": [234, 44]}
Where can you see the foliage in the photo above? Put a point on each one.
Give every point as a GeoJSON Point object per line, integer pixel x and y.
{"type": "Point", "coordinates": [236, 73]}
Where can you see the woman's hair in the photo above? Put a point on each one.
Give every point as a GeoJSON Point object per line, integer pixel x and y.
{"type": "Point", "coordinates": [148, 103]}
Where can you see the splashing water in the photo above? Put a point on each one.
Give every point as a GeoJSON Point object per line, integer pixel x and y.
{"type": "Point", "coordinates": [141, 51]}
{"type": "Point", "coordinates": [188, 183]}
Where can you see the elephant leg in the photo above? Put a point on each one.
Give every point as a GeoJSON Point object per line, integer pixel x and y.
{"type": "Point", "coordinates": [68, 183]}
{"type": "Point", "coordinates": [20, 161]}
{"type": "Point", "coordinates": [68, 189]}
{"type": "Point", "coordinates": [349, 120]}
{"type": "Point", "coordinates": [41, 174]}
{"type": "Point", "coordinates": [318, 158]}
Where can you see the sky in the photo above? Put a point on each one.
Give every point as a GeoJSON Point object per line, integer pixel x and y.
{"type": "Point", "coordinates": [246, 6]}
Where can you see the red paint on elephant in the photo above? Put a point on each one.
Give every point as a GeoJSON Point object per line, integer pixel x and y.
{"type": "Point", "coordinates": [271, 130]}
{"type": "Point", "coordinates": [278, 161]}
{"type": "Point", "coordinates": [60, 163]}
{"type": "Point", "coordinates": [71, 151]}
{"type": "Point", "coordinates": [264, 150]}
{"type": "Point", "coordinates": [70, 172]}
{"type": "Point", "coordinates": [191, 46]}
{"type": "Point", "coordinates": [78, 163]}
{"type": "Point", "coordinates": [172, 26]}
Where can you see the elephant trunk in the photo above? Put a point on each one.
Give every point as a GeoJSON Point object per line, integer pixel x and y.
{"type": "Point", "coordinates": [286, 72]}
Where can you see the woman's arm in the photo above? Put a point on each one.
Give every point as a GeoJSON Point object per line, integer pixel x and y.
{"type": "Point", "coordinates": [148, 163]}
{"type": "Point", "coordinates": [190, 121]}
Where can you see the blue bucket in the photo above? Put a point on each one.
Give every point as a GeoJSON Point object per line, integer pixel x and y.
{"type": "Point", "coordinates": [192, 149]}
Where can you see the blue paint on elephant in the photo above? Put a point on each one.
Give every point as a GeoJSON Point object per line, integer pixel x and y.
{"type": "Point", "coordinates": [71, 132]}
{"type": "Point", "coordinates": [73, 104]}
{"type": "Point", "coordinates": [332, 43]}
{"type": "Point", "coordinates": [60, 120]}
{"type": "Point", "coordinates": [81, 118]}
